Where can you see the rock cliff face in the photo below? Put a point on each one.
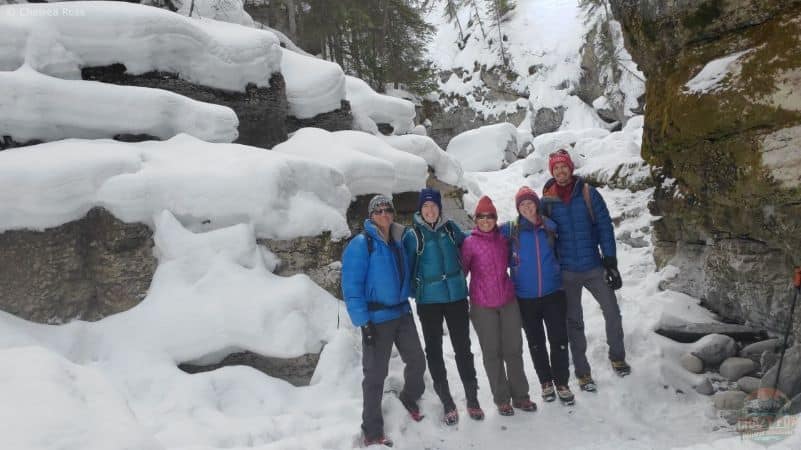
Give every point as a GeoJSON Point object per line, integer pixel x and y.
{"type": "Point", "coordinates": [86, 269]}
{"type": "Point", "coordinates": [724, 140]}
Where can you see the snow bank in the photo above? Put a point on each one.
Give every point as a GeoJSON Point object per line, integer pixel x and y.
{"type": "Point", "coordinates": [411, 171]}
{"type": "Point", "coordinates": [50, 403]}
{"type": "Point", "coordinates": [380, 108]}
{"type": "Point", "coordinates": [446, 167]}
{"type": "Point", "coordinates": [618, 154]}
{"type": "Point", "coordinates": [59, 39]}
{"type": "Point", "coordinates": [485, 148]}
{"type": "Point", "coordinates": [313, 86]}
{"type": "Point", "coordinates": [710, 78]}
{"type": "Point", "coordinates": [50, 184]}
{"type": "Point", "coordinates": [366, 170]}
{"type": "Point", "coordinates": [47, 108]}
{"type": "Point", "coordinates": [210, 295]}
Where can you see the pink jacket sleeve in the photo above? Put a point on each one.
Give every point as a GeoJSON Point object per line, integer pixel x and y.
{"type": "Point", "coordinates": [467, 255]}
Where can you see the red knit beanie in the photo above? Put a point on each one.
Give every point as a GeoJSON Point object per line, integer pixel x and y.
{"type": "Point", "coordinates": [560, 156]}
{"type": "Point", "coordinates": [485, 206]}
{"type": "Point", "coordinates": [525, 193]}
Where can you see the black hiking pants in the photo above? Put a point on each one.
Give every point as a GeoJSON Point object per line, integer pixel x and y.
{"type": "Point", "coordinates": [457, 318]}
{"type": "Point", "coordinates": [549, 312]}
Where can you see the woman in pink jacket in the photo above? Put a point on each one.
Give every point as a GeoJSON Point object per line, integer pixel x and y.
{"type": "Point", "coordinates": [494, 311]}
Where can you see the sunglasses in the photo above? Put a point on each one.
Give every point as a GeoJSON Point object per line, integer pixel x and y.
{"type": "Point", "coordinates": [486, 216]}
{"type": "Point", "coordinates": [384, 211]}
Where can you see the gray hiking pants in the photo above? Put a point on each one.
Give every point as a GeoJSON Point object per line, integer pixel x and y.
{"type": "Point", "coordinates": [595, 282]}
{"type": "Point", "coordinates": [501, 341]}
{"type": "Point", "coordinates": [375, 364]}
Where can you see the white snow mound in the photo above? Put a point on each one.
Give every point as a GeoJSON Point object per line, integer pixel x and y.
{"type": "Point", "coordinates": [397, 112]}
{"type": "Point", "coordinates": [486, 148]}
{"type": "Point", "coordinates": [48, 108]}
{"type": "Point", "coordinates": [221, 184]}
{"type": "Point", "coordinates": [59, 39]}
{"type": "Point", "coordinates": [446, 167]}
{"type": "Point", "coordinates": [313, 85]}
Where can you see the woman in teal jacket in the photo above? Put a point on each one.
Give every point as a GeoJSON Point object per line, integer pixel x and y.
{"type": "Point", "coordinates": [439, 286]}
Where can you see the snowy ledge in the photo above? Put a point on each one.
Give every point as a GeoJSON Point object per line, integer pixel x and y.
{"type": "Point", "coordinates": [205, 185]}
{"type": "Point", "coordinates": [50, 108]}
{"type": "Point", "coordinates": [61, 38]}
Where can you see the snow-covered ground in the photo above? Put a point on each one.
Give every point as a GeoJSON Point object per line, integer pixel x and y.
{"type": "Point", "coordinates": [213, 293]}
{"type": "Point", "coordinates": [114, 384]}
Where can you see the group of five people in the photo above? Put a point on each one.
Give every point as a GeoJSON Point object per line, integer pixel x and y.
{"type": "Point", "coordinates": [524, 274]}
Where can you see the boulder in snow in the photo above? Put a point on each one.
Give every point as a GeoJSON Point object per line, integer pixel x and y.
{"type": "Point", "coordinates": [547, 120]}
{"type": "Point", "coordinates": [749, 384]}
{"type": "Point", "coordinates": [705, 388]}
{"type": "Point", "coordinates": [714, 349]}
{"type": "Point", "coordinates": [729, 400]}
{"type": "Point", "coordinates": [757, 348]}
{"type": "Point", "coordinates": [692, 363]}
{"type": "Point", "coordinates": [735, 368]}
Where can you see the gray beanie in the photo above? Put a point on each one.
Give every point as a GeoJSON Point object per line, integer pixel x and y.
{"type": "Point", "coordinates": [378, 201]}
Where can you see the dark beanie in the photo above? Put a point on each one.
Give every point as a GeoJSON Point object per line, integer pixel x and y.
{"type": "Point", "coordinates": [429, 195]}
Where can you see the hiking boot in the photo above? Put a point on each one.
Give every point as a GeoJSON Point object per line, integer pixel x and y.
{"type": "Point", "coordinates": [474, 409]}
{"type": "Point", "coordinates": [383, 440]}
{"type": "Point", "coordinates": [451, 417]}
{"type": "Point", "coordinates": [565, 396]}
{"type": "Point", "coordinates": [475, 413]}
{"type": "Point", "coordinates": [548, 394]}
{"type": "Point", "coordinates": [621, 368]}
{"type": "Point", "coordinates": [414, 410]}
{"type": "Point", "coordinates": [506, 409]}
{"type": "Point", "coordinates": [526, 405]}
{"type": "Point", "coordinates": [587, 384]}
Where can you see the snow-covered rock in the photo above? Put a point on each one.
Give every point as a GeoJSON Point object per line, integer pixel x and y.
{"type": "Point", "coordinates": [313, 85]}
{"type": "Point", "coordinates": [59, 39]}
{"type": "Point", "coordinates": [446, 167]}
{"type": "Point", "coordinates": [47, 108]}
{"type": "Point", "coordinates": [222, 184]}
{"type": "Point", "coordinates": [735, 368]}
{"type": "Point", "coordinates": [713, 349]}
{"type": "Point", "coordinates": [397, 112]}
{"type": "Point", "coordinates": [364, 173]}
{"type": "Point", "coordinates": [410, 170]}
{"type": "Point", "coordinates": [487, 148]}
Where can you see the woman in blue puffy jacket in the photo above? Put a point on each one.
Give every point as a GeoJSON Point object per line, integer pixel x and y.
{"type": "Point", "coordinates": [538, 284]}
{"type": "Point", "coordinates": [440, 289]}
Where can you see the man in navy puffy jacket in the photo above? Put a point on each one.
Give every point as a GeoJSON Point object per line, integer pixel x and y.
{"type": "Point", "coordinates": [584, 227]}
{"type": "Point", "coordinates": [375, 286]}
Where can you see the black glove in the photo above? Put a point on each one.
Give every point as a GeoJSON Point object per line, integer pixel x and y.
{"type": "Point", "coordinates": [612, 274]}
{"type": "Point", "coordinates": [368, 334]}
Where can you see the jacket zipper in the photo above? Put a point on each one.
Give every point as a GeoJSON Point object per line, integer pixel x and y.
{"type": "Point", "coordinates": [539, 262]}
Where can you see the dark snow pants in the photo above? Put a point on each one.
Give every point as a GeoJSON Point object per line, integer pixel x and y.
{"type": "Point", "coordinates": [538, 313]}
{"type": "Point", "coordinates": [595, 282]}
{"type": "Point", "coordinates": [456, 316]}
{"type": "Point", "coordinates": [401, 332]}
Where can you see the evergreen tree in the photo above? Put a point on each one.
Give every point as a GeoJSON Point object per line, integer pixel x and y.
{"type": "Point", "coordinates": [497, 10]}
{"type": "Point", "coordinates": [452, 15]}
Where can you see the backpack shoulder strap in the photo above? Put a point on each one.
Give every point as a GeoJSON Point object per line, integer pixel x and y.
{"type": "Point", "coordinates": [451, 233]}
{"type": "Point", "coordinates": [369, 240]}
{"type": "Point", "coordinates": [585, 191]}
{"type": "Point", "coordinates": [418, 235]}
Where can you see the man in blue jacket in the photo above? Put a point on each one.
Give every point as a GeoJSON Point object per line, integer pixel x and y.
{"type": "Point", "coordinates": [375, 286]}
{"type": "Point", "coordinates": [585, 226]}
